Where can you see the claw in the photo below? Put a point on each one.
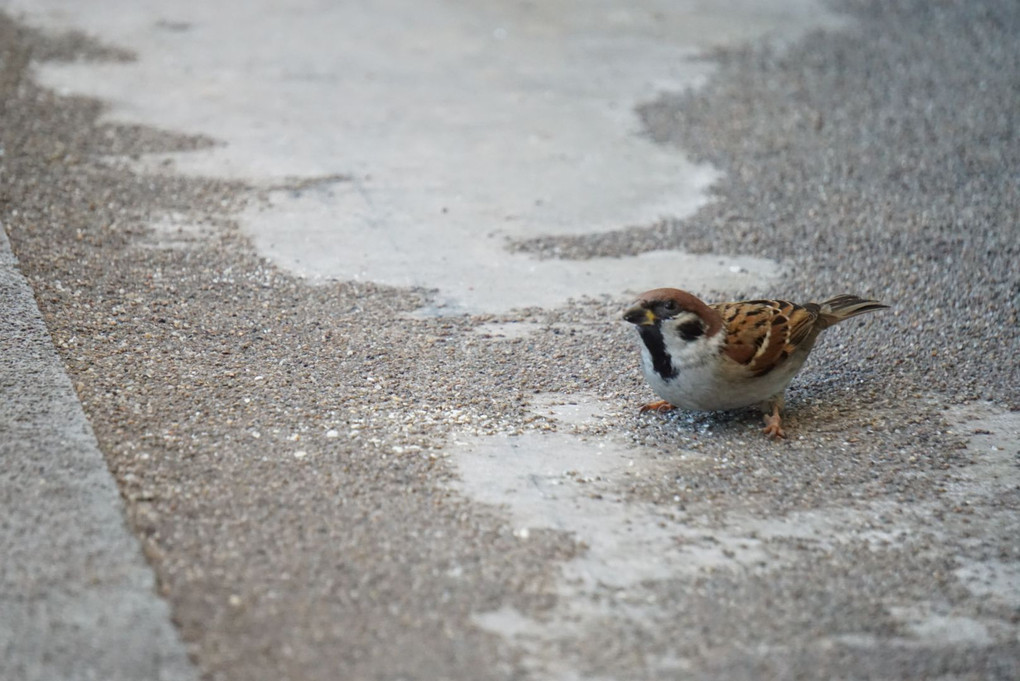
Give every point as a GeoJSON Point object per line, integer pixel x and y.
{"type": "Point", "coordinates": [772, 424]}
{"type": "Point", "coordinates": [661, 407]}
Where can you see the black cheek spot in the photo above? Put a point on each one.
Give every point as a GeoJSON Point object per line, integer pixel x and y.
{"type": "Point", "coordinates": [691, 330]}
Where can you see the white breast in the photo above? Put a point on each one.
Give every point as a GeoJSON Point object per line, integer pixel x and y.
{"type": "Point", "coordinates": [707, 381]}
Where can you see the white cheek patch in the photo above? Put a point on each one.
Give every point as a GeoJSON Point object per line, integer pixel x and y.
{"type": "Point", "coordinates": [688, 353]}
{"type": "Point", "coordinates": [683, 318]}
{"type": "Point", "coordinates": [673, 325]}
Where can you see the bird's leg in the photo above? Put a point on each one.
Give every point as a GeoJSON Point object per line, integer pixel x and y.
{"type": "Point", "coordinates": [662, 406]}
{"type": "Point", "coordinates": [773, 422]}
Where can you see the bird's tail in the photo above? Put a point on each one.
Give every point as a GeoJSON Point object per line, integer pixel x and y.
{"type": "Point", "coordinates": [835, 310]}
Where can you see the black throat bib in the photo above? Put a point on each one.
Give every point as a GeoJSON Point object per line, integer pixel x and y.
{"type": "Point", "coordinates": [661, 361]}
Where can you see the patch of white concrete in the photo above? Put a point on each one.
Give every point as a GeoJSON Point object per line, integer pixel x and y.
{"type": "Point", "coordinates": [176, 232]}
{"type": "Point", "coordinates": [993, 437]}
{"type": "Point", "coordinates": [994, 579]}
{"type": "Point", "coordinates": [570, 478]}
{"type": "Point", "coordinates": [507, 330]}
{"type": "Point", "coordinates": [994, 440]}
{"type": "Point", "coordinates": [557, 481]}
{"type": "Point", "coordinates": [928, 628]}
{"type": "Point", "coordinates": [925, 628]}
{"type": "Point", "coordinates": [447, 126]}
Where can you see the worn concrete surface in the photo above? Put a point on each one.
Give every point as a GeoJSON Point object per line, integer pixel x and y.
{"type": "Point", "coordinates": [326, 483]}
{"type": "Point", "coordinates": [405, 142]}
{"type": "Point", "coordinates": [77, 599]}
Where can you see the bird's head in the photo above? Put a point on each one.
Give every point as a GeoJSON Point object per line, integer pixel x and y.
{"type": "Point", "coordinates": [673, 312]}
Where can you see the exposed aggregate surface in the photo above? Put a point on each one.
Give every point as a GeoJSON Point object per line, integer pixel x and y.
{"type": "Point", "coordinates": [281, 447]}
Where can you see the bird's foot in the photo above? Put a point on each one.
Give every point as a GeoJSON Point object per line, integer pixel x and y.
{"type": "Point", "coordinates": [773, 427]}
{"type": "Point", "coordinates": [661, 407]}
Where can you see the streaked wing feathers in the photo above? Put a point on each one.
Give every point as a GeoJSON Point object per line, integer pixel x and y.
{"type": "Point", "coordinates": [761, 334]}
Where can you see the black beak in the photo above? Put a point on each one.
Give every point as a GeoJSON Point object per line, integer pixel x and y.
{"type": "Point", "coordinates": [640, 316]}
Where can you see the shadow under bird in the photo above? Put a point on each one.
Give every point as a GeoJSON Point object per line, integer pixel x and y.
{"type": "Point", "coordinates": [730, 355]}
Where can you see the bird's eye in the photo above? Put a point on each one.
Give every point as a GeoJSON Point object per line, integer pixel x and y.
{"type": "Point", "coordinates": [671, 306]}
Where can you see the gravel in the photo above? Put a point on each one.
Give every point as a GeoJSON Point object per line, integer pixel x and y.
{"type": "Point", "coordinates": [280, 447]}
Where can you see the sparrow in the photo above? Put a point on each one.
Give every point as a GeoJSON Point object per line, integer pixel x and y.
{"type": "Point", "coordinates": [730, 355]}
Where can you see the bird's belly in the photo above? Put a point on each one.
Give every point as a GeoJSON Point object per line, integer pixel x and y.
{"type": "Point", "coordinates": [705, 388]}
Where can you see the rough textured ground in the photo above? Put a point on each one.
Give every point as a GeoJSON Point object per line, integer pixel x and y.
{"type": "Point", "coordinates": [280, 447]}
{"type": "Point", "coordinates": [76, 595]}
{"type": "Point", "coordinates": [885, 160]}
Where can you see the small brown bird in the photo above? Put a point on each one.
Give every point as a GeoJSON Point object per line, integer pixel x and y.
{"type": "Point", "coordinates": [730, 355]}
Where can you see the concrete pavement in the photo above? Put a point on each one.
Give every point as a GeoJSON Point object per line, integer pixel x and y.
{"type": "Point", "coordinates": [331, 480]}
{"type": "Point", "coordinates": [77, 599]}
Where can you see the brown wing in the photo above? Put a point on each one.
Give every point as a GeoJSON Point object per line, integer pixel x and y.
{"type": "Point", "coordinates": [761, 334]}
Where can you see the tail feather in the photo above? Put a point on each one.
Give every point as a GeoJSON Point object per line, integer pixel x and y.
{"type": "Point", "coordinates": [835, 310]}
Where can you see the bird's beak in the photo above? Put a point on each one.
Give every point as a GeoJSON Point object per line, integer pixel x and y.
{"type": "Point", "coordinates": [639, 315]}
